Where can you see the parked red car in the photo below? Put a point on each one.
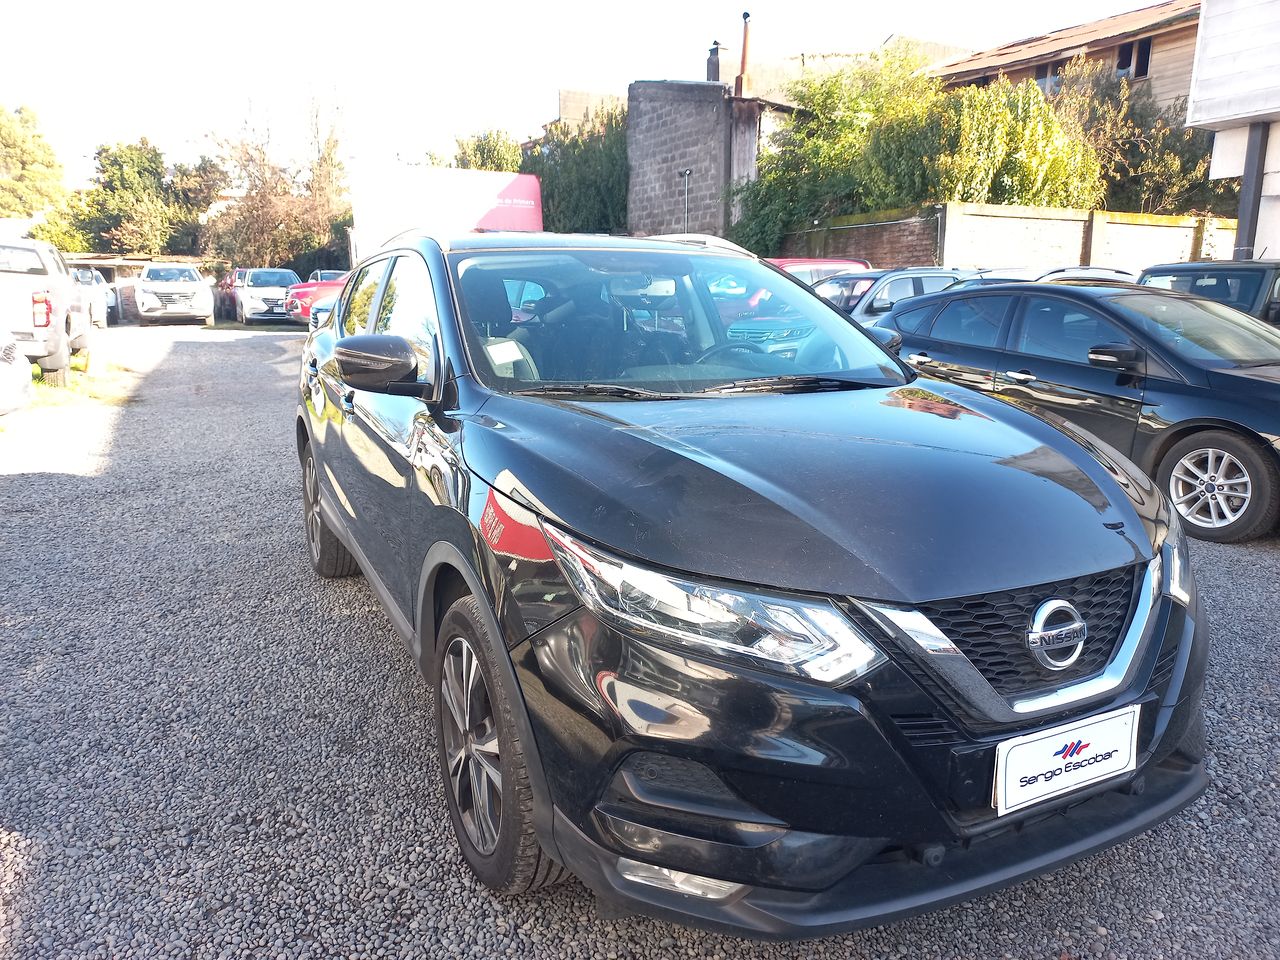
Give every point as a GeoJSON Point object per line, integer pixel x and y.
{"type": "Point", "coordinates": [320, 284]}
{"type": "Point", "coordinates": [810, 270]}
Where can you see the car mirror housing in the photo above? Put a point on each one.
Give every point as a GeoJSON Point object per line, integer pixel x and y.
{"type": "Point", "coordinates": [880, 305]}
{"type": "Point", "coordinates": [381, 363]}
{"type": "Point", "coordinates": [891, 340]}
{"type": "Point", "coordinates": [1116, 356]}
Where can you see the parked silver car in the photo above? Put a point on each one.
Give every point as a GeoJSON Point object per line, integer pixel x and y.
{"type": "Point", "coordinates": [42, 307]}
{"type": "Point", "coordinates": [262, 293]}
{"type": "Point", "coordinates": [867, 294]}
{"type": "Point", "coordinates": [173, 291]}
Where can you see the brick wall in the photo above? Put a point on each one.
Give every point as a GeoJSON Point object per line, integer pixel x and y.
{"type": "Point", "coordinates": [893, 238]}
{"type": "Point", "coordinates": [674, 126]}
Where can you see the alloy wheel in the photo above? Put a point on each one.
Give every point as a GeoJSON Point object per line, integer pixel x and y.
{"type": "Point", "coordinates": [470, 734]}
{"type": "Point", "coordinates": [1210, 488]}
{"type": "Point", "coordinates": [311, 496]}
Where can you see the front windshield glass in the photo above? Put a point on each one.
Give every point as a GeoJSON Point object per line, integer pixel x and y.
{"type": "Point", "coordinates": [325, 275]}
{"type": "Point", "coordinates": [1236, 288]}
{"type": "Point", "coordinates": [271, 278]}
{"type": "Point", "coordinates": [664, 321]}
{"type": "Point", "coordinates": [1205, 332]}
{"type": "Point", "coordinates": [171, 274]}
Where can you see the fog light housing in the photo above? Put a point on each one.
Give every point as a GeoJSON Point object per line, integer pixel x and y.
{"type": "Point", "coordinates": [677, 881]}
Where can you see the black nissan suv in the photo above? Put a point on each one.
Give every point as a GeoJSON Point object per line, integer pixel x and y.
{"type": "Point", "coordinates": [780, 643]}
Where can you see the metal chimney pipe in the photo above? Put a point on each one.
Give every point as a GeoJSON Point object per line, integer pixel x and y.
{"type": "Point", "coordinates": [740, 85]}
{"type": "Point", "coordinates": [713, 63]}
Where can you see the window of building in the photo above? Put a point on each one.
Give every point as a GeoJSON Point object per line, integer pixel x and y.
{"type": "Point", "coordinates": [1133, 60]}
{"type": "Point", "coordinates": [1049, 77]}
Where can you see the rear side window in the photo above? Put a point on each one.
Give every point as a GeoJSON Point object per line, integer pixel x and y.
{"type": "Point", "coordinates": [915, 320]}
{"type": "Point", "coordinates": [358, 304]}
{"type": "Point", "coordinates": [408, 305]}
{"type": "Point", "coordinates": [901, 288]}
{"type": "Point", "coordinates": [20, 260]}
{"type": "Point", "coordinates": [1236, 288]}
{"type": "Point", "coordinates": [933, 282]}
{"type": "Point", "coordinates": [975, 321]}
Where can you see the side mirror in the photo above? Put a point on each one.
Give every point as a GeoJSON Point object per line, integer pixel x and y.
{"type": "Point", "coordinates": [1115, 356]}
{"type": "Point", "coordinates": [380, 363]}
{"type": "Point", "coordinates": [1271, 314]}
{"type": "Point", "coordinates": [880, 305]}
{"type": "Point", "coordinates": [891, 340]}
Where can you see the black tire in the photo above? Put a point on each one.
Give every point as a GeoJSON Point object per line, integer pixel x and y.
{"type": "Point", "coordinates": [329, 556]}
{"type": "Point", "coordinates": [1213, 498]}
{"type": "Point", "coordinates": [516, 863]}
{"type": "Point", "coordinates": [53, 369]}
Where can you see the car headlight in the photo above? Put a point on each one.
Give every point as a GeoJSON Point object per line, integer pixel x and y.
{"type": "Point", "coordinates": [796, 635]}
{"type": "Point", "coordinates": [792, 333]}
{"type": "Point", "coordinates": [147, 300]}
{"type": "Point", "coordinates": [1179, 583]}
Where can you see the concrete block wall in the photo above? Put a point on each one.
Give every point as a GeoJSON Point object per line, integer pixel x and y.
{"type": "Point", "coordinates": [674, 126]}
{"type": "Point", "coordinates": [993, 236]}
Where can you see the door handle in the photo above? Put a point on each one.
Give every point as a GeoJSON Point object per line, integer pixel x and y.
{"type": "Point", "coordinates": [919, 359]}
{"type": "Point", "coordinates": [349, 402]}
{"type": "Point", "coordinates": [1020, 376]}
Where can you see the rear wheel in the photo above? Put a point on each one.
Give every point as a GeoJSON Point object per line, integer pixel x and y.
{"type": "Point", "coordinates": [482, 760]}
{"type": "Point", "coordinates": [329, 556]}
{"type": "Point", "coordinates": [53, 368]}
{"type": "Point", "coordinates": [1225, 487]}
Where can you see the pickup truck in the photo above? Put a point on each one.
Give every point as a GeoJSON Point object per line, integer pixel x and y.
{"type": "Point", "coordinates": [1249, 285]}
{"type": "Point", "coordinates": [42, 307]}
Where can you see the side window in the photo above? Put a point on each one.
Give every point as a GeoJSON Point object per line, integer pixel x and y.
{"type": "Point", "coordinates": [913, 321]}
{"type": "Point", "coordinates": [972, 320]}
{"type": "Point", "coordinates": [408, 305]}
{"type": "Point", "coordinates": [1061, 330]}
{"type": "Point", "coordinates": [358, 302]}
{"type": "Point", "coordinates": [933, 282]}
{"type": "Point", "coordinates": [900, 288]}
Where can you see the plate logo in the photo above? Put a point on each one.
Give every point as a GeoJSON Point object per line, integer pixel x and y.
{"type": "Point", "coordinates": [1057, 634]}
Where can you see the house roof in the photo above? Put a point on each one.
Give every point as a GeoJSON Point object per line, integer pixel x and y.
{"type": "Point", "coordinates": [1065, 43]}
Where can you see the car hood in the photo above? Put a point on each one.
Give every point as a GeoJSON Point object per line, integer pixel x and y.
{"type": "Point", "coordinates": [1257, 381]}
{"type": "Point", "coordinates": [261, 292]}
{"type": "Point", "coordinates": [902, 494]}
{"type": "Point", "coordinates": [172, 286]}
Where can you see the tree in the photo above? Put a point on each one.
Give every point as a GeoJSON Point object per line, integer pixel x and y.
{"type": "Point", "coordinates": [30, 175]}
{"type": "Point", "coordinates": [1151, 162]}
{"type": "Point", "coordinates": [490, 150]}
{"type": "Point", "coordinates": [583, 172]}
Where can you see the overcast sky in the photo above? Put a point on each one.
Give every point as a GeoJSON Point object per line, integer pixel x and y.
{"type": "Point", "coordinates": [406, 77]}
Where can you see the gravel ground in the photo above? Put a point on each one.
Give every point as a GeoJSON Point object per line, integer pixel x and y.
{"type": "Point", "coordinates": [207, 751]}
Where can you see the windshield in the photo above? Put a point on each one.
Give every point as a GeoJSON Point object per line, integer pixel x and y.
{"type": "Point", "coordinates": [271, 278]}
{"type": "Point", "coordinates": [1237, 288]}
{"type": "Point", "coordinates": [20, 260]}
{"type": "Point", "coordinates": [324, 275]}
{"type": "Point", "coordinates": [171, 274]}
{"type": "Point", "coordinates": [1205, 332]}
{"type": "Point", "coordinates": [638, 320]}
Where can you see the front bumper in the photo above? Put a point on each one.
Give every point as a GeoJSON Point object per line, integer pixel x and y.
{"type": "Point", "coordinates": [835, 808]}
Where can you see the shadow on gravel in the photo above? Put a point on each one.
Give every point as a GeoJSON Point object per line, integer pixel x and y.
{"type": "Point", "coordinates": [207, 751]}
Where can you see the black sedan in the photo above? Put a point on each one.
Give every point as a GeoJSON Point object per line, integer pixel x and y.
{"type": "Point", "coordinates": [1184, 386]}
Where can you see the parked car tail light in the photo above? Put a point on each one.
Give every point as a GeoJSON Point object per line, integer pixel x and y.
{"type": "Point", "coordinates": [41, 309]}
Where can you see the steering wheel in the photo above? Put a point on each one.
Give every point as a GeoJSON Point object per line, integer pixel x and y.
{"type": "Point", "coordinates": [720, 348]}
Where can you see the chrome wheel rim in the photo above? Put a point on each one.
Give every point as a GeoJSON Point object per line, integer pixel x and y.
{"type": "Point", "coordinates": [470, 739]}
{"type": "Point", "coordinates": [1210, 488]}
{"type": "Point", "coordinates": [311, 493]}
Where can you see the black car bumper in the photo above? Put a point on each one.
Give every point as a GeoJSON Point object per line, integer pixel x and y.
{"type": "Point", "coordinates": [832, 808]}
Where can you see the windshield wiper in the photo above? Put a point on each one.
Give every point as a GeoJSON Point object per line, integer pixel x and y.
{"type": "Point", "coordinates": [1255, 363]}
{"type": "Point", "coordinates": [790, 383]}
{"type": "Point", "coordinates": [598, 390]}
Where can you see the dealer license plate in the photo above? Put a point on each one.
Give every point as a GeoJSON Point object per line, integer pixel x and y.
{"type": "Point", "coordinates": [1039, 766]}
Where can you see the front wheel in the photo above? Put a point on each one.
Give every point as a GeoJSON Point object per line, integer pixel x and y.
{"type": "Point", "coordinates": [1225, 487]}
{"type": "Point", "coordinates": [53, 368]}
{"type": "Point", "coordinates": [481, 758]}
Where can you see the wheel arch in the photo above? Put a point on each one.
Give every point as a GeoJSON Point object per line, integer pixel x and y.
{"type": "Point", "coordinates": [1165, 442]}
{"type": "Point", "coordinates": [447, 575]}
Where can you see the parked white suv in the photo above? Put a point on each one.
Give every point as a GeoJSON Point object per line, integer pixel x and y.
{"type": "Point", "coordinates": [40, 304]}
{"type": "Point", "coordinates": [173, 291]}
